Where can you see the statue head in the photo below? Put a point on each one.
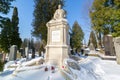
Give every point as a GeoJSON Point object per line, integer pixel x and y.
{"type": "Point", "coordinates": [59, 6]}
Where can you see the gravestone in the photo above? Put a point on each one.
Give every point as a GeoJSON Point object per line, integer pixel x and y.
{"type": "Point", "coordinates": [27, 52]}
{"type": "Point", "coordinates": [13, 53]}
{"type": "Point", "coordinates": [57, 47]}
{"type": "Point", "coordinates": [22, 51]}
{"type": "Point", "coordinates": [33, 52]}
{"type": "Point", "coordinates": [91, 47]}
{"type": "Point", "coordinates": [117, 48]}
{"type": "Point", "coordinates": [109, 45]}
{"type": "Point", "coordinates": [1, 56]}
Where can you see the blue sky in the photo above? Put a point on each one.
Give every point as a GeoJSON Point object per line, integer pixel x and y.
{"type": "Point", "coordinates": [77, 10]}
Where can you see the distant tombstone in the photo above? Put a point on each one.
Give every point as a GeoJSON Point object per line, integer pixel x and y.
{"type": "Point", "coordinates": [91, 47]}
{"type": "Point", "coordinates": [33, 52]}
{"type": "Point", "coordinates": [1, 56]}
{"type": "Point", "coordinates": [108, 44]}
{"type": "Point", "coordinates": [27, 52]}
{"type": "Point", "coordinates": [117, 48]}
{"type": "Point", "coordinates": [42, 54]}
{"type": "Point", "coordinates": [22, 51]}
{"type": "Point", "coordinates": [13, 53]}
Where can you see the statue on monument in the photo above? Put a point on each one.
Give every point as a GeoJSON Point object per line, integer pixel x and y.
{"type": "Point", "coordinates": [59, 13]}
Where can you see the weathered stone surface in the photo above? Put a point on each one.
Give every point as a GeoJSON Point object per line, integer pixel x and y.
{"type": "Point", "coordinates": [13, 53]}
{"type": "Point", "coordinates": [59, 13]}
{"type": "Point", "coordinates": [57, 48]}
{"type": "Point", "coordinates": [117, 48]}
{"type": "Point", "coordinates": [109, 45]}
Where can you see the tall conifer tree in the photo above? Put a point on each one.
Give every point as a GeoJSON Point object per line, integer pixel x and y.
{"type": "Point", "coordinates": [43, 12]}
{"type": "Point", "coordinates": [10, 32]}
{"type": "Point", "coordinates": [5, 36]}
{"type": "Point", "coordinates": [77, 36]}
{"type": "Point", "coordinates": [15, 37]}
{"type": "Point", "coordinates": [5, 6]}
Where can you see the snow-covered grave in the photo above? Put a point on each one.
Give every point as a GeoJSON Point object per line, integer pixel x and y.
{"type": "Point", "coordinates": [88, 68]}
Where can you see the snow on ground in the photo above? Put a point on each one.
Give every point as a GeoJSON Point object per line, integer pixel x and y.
{"type": "Point", "coordinates": [91, 68]}
{"type": "Point", "coordinates": [32, 73]}
{"type": "Point", "coordinates": [112, 69]}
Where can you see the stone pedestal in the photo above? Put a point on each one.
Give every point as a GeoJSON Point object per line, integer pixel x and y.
{"type": "Point", "coordinates": [117, 48]}
{"type": "Point", "coordinates": [57, 48]}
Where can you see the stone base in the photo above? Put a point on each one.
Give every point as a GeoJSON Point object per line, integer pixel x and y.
{"type": "Point", "coordinates": [56, 54]}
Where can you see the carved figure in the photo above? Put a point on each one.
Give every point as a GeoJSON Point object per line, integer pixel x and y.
{"type": "Point", "coordinates": [59, 13]}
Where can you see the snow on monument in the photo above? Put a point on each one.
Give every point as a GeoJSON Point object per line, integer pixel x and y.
{"type": "Point", "coordinates": [57, 47]}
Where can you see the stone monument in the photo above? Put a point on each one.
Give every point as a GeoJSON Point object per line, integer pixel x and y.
{"type": "Point", "coordinates": [108, 43]}
{"type": "Point", "coordinates": [91, 45]}
{"type": "Point", "coordinates": [57, 47]}
{"type": "Point", "coordinates": [22, 51]}
{"type": "Point", "coordinates": [117, 48]}
{"type": "Point", "coordinates": [27, 52]}
{"type": "Point", "coordinates": [13, 53]}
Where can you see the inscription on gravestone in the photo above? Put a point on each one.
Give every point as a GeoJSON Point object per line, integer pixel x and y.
{"type": "Point", "coordinates": [56, 36]}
